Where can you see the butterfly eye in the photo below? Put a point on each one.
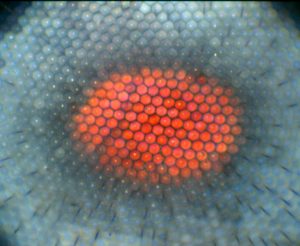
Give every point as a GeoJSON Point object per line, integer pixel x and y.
{"type": "Point", "coordinates": [152, 123]}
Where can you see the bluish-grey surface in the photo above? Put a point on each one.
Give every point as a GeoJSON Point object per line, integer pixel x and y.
{"type": "Point", "coordinates": [61, 47]}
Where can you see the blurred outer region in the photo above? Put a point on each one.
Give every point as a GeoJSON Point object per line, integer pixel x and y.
{"type": "Point", "coordinates": [8, 20]}
{"type": "Point", "coordinates": [10, 9]}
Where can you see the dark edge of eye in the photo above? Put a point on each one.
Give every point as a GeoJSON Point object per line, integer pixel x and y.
{"type": "Point", "coordinates": [9, 13]}
{"type": "Point", "coordinates": [3, 239]}
{"type": "Point", "coordinates": [288, 10]}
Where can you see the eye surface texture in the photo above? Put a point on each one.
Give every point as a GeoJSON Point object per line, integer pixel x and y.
{"type": "Point", "coordinates": [149, 123]}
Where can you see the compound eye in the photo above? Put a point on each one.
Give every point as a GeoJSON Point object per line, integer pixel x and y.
{"type": "Point", "coordinates": [149, 123]}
